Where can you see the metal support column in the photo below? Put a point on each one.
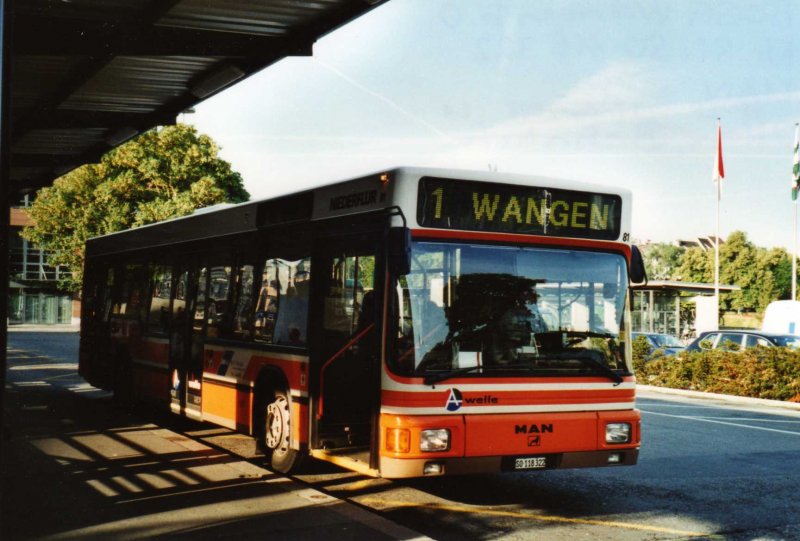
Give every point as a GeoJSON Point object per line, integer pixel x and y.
{"type": "Point", "coordinates": [5, 190]}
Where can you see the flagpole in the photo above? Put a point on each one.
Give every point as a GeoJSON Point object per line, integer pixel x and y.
{"type": "Point", "coordinates": [794, 255]}
{"type": "Point", "coordinates": [795, 182]}
{"type": "Point", "coordinates": [716, 257]}
{"type": "Point", "coordinates": [716, 250]}
{"type": "Point", "coordinates": [719, 175]}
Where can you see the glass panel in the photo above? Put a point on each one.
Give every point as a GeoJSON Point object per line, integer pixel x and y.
{"type": "Point", "coordinates": [267, 305]}
{"type": "Point", "coordinates": [158, 320]}
{"type": "Point", "coordinates": [665, 341]}
{"type": "Point", "coordinates": [519, 310]}
{"type": "Point", "coordinates": [350, 280]}
{"type": "Point", "coordinates": [49, 310]}
{"type": "Point", "coordinates": [32, 306]}
{"type": "Point", "coordinates": [789, 341]}
{"type": "Point", "coordinates": [16, 303]}
{"type": "Point", "coordinates": [65, 309]}
{"type": "Point", "coordinates": [219, 287]}
{"type": "Point", "coordinates": [200, 306]}
{"type": "Point", "coordinates": [243, 312]}
{"type": "Point", "coordinates": [340, 296]}
{"type": "Point", "coordinates": [282, 309]}
{"type": "Point", "coordinates": [730, 342]}
{"type": "Point", "coordinates": [292, 318]}
{"type": "Point", "coordinates": [179, 302]}
{"type": "Point", "coordinates": [751, 340]}
{"type": "Point", "coordinates": [708, 341]}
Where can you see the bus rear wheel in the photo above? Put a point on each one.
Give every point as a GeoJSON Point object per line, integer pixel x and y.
{"type": "Point", "coordinates": [277, 432]}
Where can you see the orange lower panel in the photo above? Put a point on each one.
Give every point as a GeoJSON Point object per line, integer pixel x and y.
{"type": "Point", "coordinates": [515, 434]}
{"type": "Point", "coordinates": [227, 402]}
{"type": "Point", "coordinates": [506, 434]}
{"type": "Point", "coordinates": [299, 425]}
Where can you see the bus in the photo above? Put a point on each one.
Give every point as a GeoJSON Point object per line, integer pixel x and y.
{"type": "Point", "coordinates": [408, 323]}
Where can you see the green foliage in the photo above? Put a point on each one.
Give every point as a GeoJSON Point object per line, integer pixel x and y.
{"type": "Point", "coordinates": [737, 257]}
{"type": "Point", "coordinates": [763, 275]}
{"type": "Point", "coordinates": [641, 353]}
{"type": "Point", "coordinates": [760, 372]}
{"type": "Point", "coordinates": [662, 260]}
{"type": "Point", "coordinates": [697, 265]}
{"type": "Point", "coordinates": [164, 173]}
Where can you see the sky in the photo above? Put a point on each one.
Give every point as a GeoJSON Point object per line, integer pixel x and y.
{"type": "Point", "coordinates": [621, 93]}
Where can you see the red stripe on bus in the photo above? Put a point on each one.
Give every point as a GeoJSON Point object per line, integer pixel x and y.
{"type": "Point", "coordinates": [506, 398]}
{"type": "Point", "coordinates": [488, 380]}
{"type": "Point", "coordinates": [521, 239]}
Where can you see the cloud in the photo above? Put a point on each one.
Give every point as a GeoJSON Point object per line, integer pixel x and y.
{"type": "Point", "coordinates": [618, 94]}
{"type": "Point", "coordinates": [383, 99]}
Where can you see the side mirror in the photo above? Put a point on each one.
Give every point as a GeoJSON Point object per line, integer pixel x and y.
{"type": "Point", "coordinates": [400, 250]}
{"type": "Point", "coordinates": [638, 274]}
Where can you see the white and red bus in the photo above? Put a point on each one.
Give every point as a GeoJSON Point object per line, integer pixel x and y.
{"type": "Point", "coordinates": [408, 323]}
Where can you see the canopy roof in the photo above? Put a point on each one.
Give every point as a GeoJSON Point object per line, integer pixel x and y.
{"type": "Point", "coordinates": [86, 75]}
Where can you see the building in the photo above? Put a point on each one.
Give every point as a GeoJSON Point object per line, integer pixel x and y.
{"type": "Point", "coordinates": [34, 296]}
{"type": "Point", "coordinates": [706, 243]}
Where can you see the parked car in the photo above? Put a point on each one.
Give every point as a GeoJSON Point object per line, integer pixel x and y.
{"type": "Point", "coordinates": [738, 340]}
{"type": "Point", "coordinates": [667, 343]}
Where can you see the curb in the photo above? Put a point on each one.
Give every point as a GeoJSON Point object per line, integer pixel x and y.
{"type": "Point", "coordinates": [724, 397]}
{"type": "Point", "coordinates": [43, 328]}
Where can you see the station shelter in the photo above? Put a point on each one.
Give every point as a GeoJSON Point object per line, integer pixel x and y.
{"type": "Point", "coordinates": [666, 306]}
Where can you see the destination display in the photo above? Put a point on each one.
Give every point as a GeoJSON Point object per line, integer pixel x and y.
{"type": "Point", "coordinates": [505, 208]}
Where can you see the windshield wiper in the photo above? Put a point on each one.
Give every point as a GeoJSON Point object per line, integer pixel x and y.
{"type": "Point", "coordinates": [432, 379]}
{"type": "Point", "coordinates": [588, 358]}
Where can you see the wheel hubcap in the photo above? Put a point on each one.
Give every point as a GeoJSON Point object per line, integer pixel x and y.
{"type": "Point", "coordinates": [277, 423]}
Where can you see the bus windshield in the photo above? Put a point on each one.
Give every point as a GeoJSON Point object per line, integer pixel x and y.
{"type": "Point", "coordinates": [506, 311]}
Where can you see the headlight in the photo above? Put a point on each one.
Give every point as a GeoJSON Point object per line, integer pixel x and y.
{"type": "Point", "coordinates": [618, 432]}
{"type": "Point", "coordinates": [437, 439]}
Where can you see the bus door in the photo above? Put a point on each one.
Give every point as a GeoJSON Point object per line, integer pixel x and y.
{"type": "Point", "coordinates": [186, 340]}
{"type": "Point", "coordinates": [345, 358]}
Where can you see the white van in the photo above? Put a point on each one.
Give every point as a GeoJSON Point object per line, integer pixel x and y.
{"type": "Point", "coordinates": [782, 317]}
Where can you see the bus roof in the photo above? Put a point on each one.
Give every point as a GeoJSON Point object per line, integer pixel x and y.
{"type": "Point", "coordinates": [372, 192]}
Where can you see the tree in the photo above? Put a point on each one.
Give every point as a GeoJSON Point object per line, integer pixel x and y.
{"type": "Point", "coordinates": [662, 260]}
{"type": "Point", "coordinates": [164, 173]}
{"type": "Point", "coordinates": [697, 265]}
{"type": "Point", "coordinates": [737, 265]}
{"type": "Point", "coordinates": [779, 262]}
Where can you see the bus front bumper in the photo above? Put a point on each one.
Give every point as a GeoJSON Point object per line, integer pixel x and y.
{"type": "Point", "coordinates": [396, 468]}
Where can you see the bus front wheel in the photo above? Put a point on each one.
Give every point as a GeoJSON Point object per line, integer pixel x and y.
{"type": "Point", "coordinates": [277, 434]}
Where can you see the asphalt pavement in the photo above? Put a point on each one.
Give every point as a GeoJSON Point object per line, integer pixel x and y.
{"type": "Point", "coordinates": [74, 466]}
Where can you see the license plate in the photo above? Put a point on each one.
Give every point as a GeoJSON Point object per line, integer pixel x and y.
{"type": "Point", "coordinates": [531, 463]}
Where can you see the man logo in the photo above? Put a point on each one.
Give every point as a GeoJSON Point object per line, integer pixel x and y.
{"type": "Point", "coordinates": [454, 400]}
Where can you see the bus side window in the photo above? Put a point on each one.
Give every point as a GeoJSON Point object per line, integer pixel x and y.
{"type": "Point", "coordinates": [217, 309]}
{"type": "Point", "coordinates": [135, 293]}
{"type": "Point", "coordinates": [281, 315]}
{"type": "Point", "coordinates": [242, 315]}
{"type": "Point", "coordinates": [160, 289]}
{"type": "Point", "coordinates": [267, 304]}
{"type": "Point", "coordinates": [106, 294]}
{"type": "Point", "coordinates": [350, 278]}
{"type": "Point", "coordinates": [199, 316]}
{"type": "Point", "coordinates": [292, 321]}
